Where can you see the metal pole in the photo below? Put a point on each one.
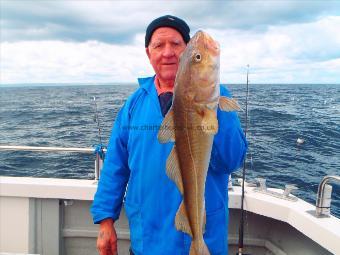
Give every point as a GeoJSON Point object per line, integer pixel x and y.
{"type": "Point", "coordinates": [45, 149]}
{"type": "Point", "coordinates": [320, 208]}
{"type": "Point", "coordinates": [97, 167]}
{"type": "Point", "coordinates": [98, 160]}
{"type": "Point", "coordinates": [241, 227]}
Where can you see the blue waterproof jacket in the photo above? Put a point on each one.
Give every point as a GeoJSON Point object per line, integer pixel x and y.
{"type": "Point", "coordinates": [136, 160]}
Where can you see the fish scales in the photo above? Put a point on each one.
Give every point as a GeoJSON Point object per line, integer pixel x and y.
{"type": "Point", "coordinates": [192, 123]}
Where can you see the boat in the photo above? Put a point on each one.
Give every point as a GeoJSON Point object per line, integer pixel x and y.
{"type": "Point", "coordinates": [52, 216]}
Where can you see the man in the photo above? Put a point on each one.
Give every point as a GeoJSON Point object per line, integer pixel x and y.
{"type": "Point", "coordinates": [135, 159]}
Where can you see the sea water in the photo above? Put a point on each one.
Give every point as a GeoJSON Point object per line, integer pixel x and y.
{"type": "Point", "coordinates": [278, 115]}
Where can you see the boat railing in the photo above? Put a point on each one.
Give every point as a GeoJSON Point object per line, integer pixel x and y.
{"type": "Point", "coordinates": [98, 158]}
{"type": "Point", "coordinates": [323, 200]}
{"type": "Point", "coordinates": [324, 196]}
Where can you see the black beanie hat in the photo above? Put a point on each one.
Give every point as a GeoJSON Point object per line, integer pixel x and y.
{"type": "Point", "coordinates": [168, 21]}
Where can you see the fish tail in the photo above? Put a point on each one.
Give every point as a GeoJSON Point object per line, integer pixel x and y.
{"type": "Point", "coordinates": [198, 248]}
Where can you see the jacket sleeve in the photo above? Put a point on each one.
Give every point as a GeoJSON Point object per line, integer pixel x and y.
{"type": "Point", "coordinates": [115, 173]}
{"type": "Point", "coordinates": [229, 146]}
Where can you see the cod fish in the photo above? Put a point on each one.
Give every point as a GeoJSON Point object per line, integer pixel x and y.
{"type": "Point", "coordinates": [192, 123]}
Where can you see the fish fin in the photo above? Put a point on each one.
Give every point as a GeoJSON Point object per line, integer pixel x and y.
{"type": "Point", "coordinates": [166, 131]}
{"type": "Point", "coordinates": [181, 220]}
{"type": "Point", "coordinates": [228, 104]}
{"type": "Point", "coordinates": [198, 248]}
{"type": "Point", "coordinates": [209, 122]}
{"type": "Point", "coordinates": [173, 169]}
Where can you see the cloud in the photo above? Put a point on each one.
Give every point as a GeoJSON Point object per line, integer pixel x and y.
{"type": "Point", "coordinates": [103, 41]}
{"type": "Point", "coordinates": [70, 62]}
{"type": "Point", "coordinates": [106, 21]}
{"type": "Point", "coordinates": [119, 21]}
{"type": "Point", "coordinates": [257, 15]}
{"type": "Point", "coordinates": [67, 21]}
{"type": "Point", "coordinates": [292, 53]}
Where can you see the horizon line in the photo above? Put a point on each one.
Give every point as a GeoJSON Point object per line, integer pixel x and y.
{"type": "Point", "coordinates": [136, 83]}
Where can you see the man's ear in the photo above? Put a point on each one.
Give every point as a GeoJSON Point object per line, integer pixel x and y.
{"type": "Point", "coordinates": [147, 52]}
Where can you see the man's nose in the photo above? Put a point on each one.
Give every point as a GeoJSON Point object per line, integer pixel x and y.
{"type": "Point", "coordinates": [168, 51]}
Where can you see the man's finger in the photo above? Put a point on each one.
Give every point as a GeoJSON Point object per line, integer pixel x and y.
{"type": "Point", "coordinates": [114, 248]}
{"type": "Point", "coordinates": [105, 250]}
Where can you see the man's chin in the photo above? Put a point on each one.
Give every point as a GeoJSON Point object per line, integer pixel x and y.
{"type": "Point", "coordinates": [167, 76]}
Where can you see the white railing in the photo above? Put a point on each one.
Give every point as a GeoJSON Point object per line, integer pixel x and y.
{"type": "Point", "coordinates": [98, 160]}
{"type": "Point", "coordinates": [324, 196]}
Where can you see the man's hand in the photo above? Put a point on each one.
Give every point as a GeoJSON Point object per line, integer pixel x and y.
{"type": "Point", "coordinates": [107, 238]}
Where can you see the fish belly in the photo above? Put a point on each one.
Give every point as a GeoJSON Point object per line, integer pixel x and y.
{"type": "Point", "coordinates": [194, 149]}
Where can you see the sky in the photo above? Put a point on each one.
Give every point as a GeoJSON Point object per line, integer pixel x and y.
{"type": "Point", "coordinates": [93, 42]}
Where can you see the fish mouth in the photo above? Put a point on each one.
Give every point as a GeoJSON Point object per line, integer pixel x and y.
{"type": "Point", "coordinates": [209, 43]}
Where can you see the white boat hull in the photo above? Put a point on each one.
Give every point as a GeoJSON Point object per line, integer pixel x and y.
{"type": "Point", "coordinates": [51, 216]}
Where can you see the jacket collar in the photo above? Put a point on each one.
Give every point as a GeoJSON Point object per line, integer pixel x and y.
{"type": "Point", "coordinates": [148, 84]}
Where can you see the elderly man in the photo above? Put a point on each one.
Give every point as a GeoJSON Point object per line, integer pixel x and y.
{"type": "Point", "coordinates": [136, 160]}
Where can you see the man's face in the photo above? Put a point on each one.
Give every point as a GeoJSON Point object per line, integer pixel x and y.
{"type": "Point", "coordinates": [165, 47]}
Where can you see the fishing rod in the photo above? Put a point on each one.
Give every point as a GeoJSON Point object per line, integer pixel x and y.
{"type": "Point", "coordinates": [99, 148]}
{"type": "Point", "coordinates": [241, 227]}
{"type": "Point", "coordinates": [96, 119]}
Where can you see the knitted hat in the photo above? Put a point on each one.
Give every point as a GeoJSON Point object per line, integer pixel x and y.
{"type": "Point", "coordinates": [168, 21]}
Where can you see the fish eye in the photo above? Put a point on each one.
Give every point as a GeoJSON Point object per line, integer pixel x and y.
{"type": "Point", "coordinates": [198, 57]}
